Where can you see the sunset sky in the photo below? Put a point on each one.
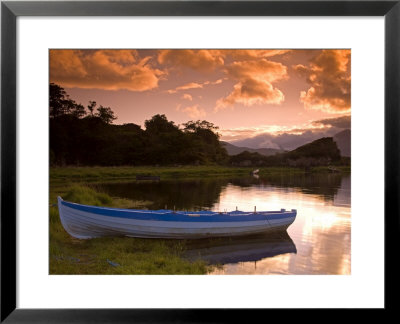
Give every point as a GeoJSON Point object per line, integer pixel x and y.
{"type": "Point", "coordinates": [272, 98]}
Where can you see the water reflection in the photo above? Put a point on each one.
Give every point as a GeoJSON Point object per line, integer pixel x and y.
{"type": "Point", "coordinates": [240, 249]}
{"type": "Point", "coordinates": [204, 193]}
{"type": "Point", "coordinates": [321, 233]}
{"type": "Point", "coordinates": [184, 195]}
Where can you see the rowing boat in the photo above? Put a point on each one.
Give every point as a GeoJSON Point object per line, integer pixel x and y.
{"type": "Point", "coordinates": [85, 222]}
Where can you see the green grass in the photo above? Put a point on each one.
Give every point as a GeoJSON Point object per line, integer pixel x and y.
{"type": "Point", "coordinates": [104, 173]}
{"type": "Point", "coordinates": [326, 169]}
{"type": "Point", "coordinates": [100, 255]}
{"type": "Point", "coordinates": [62, 175]}
{"type": "Point", "coordinates": [88, 196]}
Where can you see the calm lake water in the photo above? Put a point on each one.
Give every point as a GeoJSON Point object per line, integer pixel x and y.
{"type": "Point", "coordinates": [318, 242]}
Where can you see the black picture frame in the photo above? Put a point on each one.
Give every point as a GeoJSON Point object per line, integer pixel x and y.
{"type": "Point", "coordinates": [10, 10]}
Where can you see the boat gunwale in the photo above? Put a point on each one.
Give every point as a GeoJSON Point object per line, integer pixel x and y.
{"type": "Point", "coordinates": [235, 216]}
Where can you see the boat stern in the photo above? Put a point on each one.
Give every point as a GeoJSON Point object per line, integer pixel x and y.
{"type": "Point", "coordinates": [294, 214]}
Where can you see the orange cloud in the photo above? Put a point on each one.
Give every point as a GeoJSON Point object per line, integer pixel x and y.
{"type": "Point", "coordinates": [251, 92]}
{"type": "Point", "coordinates": [219, 81]}
{"type": "Point", "coordinates": [187, 97]}
{"type": "Point", "coordinates": [188, 86]}
{"type": "Point", "coordinates": [194, 85]}
{"type": "Point", "coordinates": [330, 80]}
{"type": "Point", "coordinates": [199, 60]}
{"type": "Point", "coordinates": [243, 54]}
{"type": "Point", "coordinates": [262, 70]}
{"type": "Point", "coordinates": [103, 69]}
{"type": "Point", "coordinates": [194, 112]}
{"type": "Point", "coordinates": [191, 85]}
{"type": "Point", "coordinates": [208, 60]}
{"type": "Point", "coordinates": [255, 83]}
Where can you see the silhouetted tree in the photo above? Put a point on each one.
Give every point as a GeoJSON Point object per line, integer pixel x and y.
{"type": "Point", "coordinates": [91, 106]}
{"type": "Point", "coordinates": [78, 110]}
{"type": "Point", "coordinates": [198, 125]}
{"type": "Point", "coordinates": [159, 124]}
{"type": "Point", "coordinates": [60, 103]}
{"type": "Point", "coordinates": [164, 141]}
{"type": "Point", "coordinates": [204, 142]}
{"type": "Point", "coordinates": [58, 100]}
{"type": "Point", "coordinates": [106, 114]}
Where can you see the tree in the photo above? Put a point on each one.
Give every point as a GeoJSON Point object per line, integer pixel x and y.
{"type": "Point", "coordinates": [91, 106]}
{"type": "Point", "coordinates": [159, 124]}
{"type": "Point", "coordinates": [60, 103]}
{"type": "Point", "coordinates": [164, 140]}
{"type": "Point", "coordinates": [78, 110]}
{"type": "Point", "coordinates": [204, 141]}
{"type": "Point", "coordinates": [198, 125]}
{"type": "Point", "coordinates": [106, 114]}
{"type": "Point", "coordinates": [58, 98]}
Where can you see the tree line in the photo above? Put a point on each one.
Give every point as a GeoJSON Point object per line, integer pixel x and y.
{"type": "Point", "coordinates": [87, 136]}
{"type": "Point", "coordinates": [82, 135]}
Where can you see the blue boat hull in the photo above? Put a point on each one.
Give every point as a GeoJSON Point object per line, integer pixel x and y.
{"type": "Point", "coordinates": [84, 222]}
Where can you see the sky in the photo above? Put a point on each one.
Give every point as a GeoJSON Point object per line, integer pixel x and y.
{"type": "Point", "coordinates": [273, 98]}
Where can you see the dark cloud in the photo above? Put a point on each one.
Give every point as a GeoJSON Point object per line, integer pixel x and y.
{"type": "Point", "coordinates": [339, 122]}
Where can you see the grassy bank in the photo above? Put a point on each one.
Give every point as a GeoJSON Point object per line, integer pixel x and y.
{"type": "Point", "coordinates": [95, 174]}
{"type": "Point", "coordinates": [116, 255]}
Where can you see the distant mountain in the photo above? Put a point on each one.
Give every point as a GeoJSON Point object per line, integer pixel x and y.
{"type": "Point", "coordinates": [321, 148]}
{"type": "Point", "coordinates": [322, 151]}
{"type": "Point", "coordinates": [234, 150]}
{"type": "Point", "coordinates": [343, 141]}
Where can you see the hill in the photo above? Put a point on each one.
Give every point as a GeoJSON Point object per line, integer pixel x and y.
{"type": "Point", "coordinates": [234, 150]}
{"type": "Point", "coordinates": [319, 152]}
{"type": "Point", "coordinates": [343, 141]}
{"type": "Point", "coordinates": [321, 148]}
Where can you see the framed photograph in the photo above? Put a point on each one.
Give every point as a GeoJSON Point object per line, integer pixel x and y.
{"type": "Point", "coordinates": [164, 158]}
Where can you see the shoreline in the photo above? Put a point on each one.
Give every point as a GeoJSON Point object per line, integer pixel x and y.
{"type": "Point", "coordinates": [96, 173]}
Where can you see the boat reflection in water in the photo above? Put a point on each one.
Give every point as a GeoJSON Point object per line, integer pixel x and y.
{"type": "Point", "coordinates": [240, 249]}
